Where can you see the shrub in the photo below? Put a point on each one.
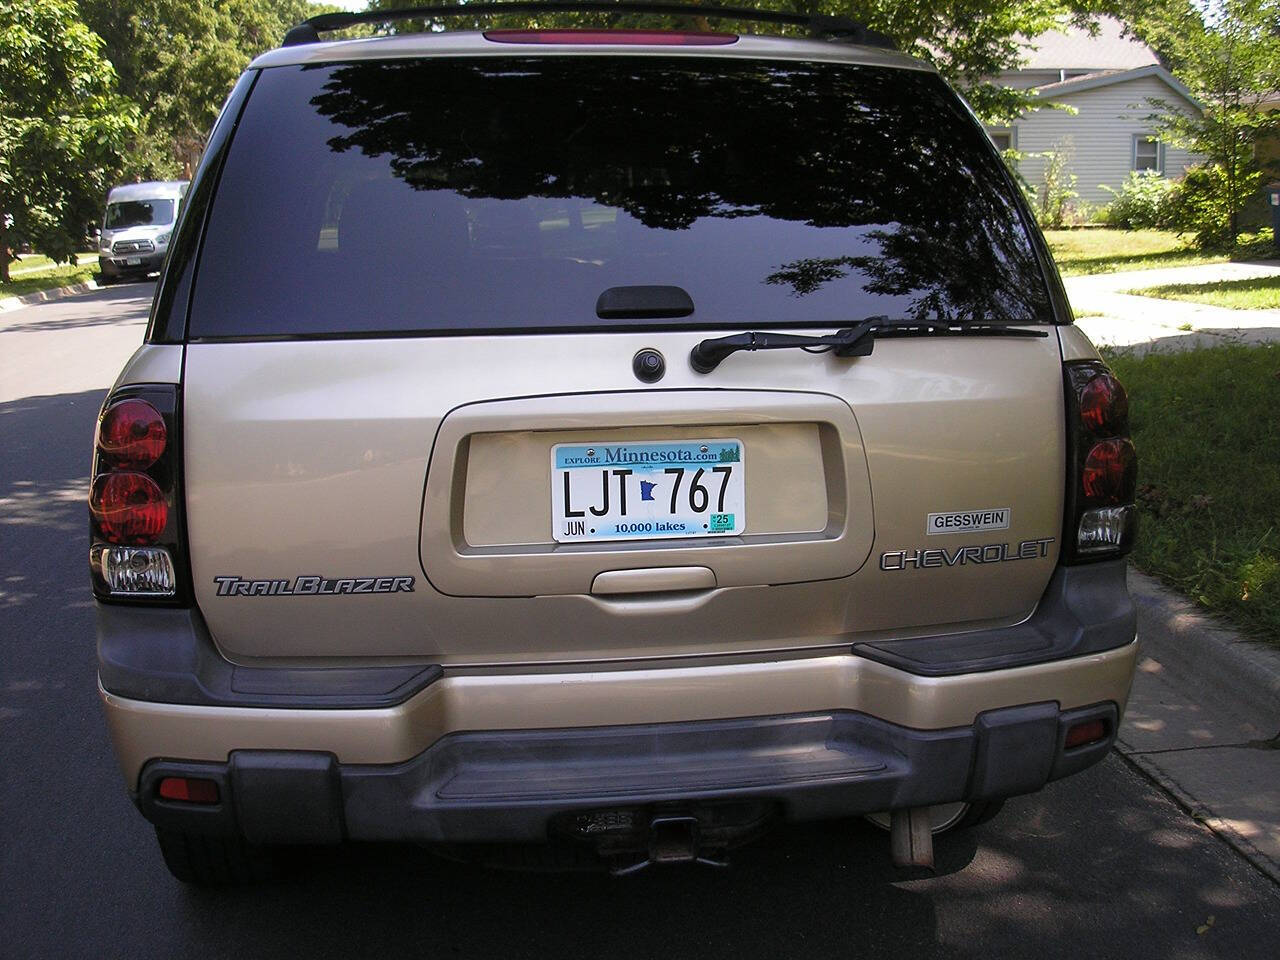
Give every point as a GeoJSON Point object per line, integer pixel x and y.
{"type": "Point", "coordinates": [1199, 206]}
{"type": "Point", "coordinates": [1142, 202]}
{"type": "Point", "coordinates": [1053, 199]}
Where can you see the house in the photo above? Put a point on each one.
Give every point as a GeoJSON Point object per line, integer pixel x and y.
{"type": "Point", "coordinates": [1108, 81]}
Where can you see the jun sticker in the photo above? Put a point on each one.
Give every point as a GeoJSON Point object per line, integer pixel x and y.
{"type": "Point", "coordinates": [968, 521]}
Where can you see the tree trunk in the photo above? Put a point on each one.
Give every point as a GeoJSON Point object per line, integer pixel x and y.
{"type": "Point", "coordinates": [4, 250]}
{"type": "Point", "coordinates": [1233, 198]}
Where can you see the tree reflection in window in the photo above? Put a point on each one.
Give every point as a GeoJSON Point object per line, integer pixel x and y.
{"type": "Point", "coordinates": [775, 191]}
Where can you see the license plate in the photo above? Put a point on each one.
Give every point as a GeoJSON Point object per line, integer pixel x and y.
{"type": "Point", "coordinates": [133, 261]}
{"type": "Point", "coordinates": [678, 489]}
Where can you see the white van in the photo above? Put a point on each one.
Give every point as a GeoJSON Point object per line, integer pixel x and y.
{"type": "Point", "coordinates": [136, 228]}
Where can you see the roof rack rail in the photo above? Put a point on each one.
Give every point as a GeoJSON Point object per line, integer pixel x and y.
{"type": "Point", "coordinates": [820, 25]}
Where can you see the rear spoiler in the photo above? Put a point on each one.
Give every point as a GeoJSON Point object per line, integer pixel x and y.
{"type": "Point", "coordinates": [820, 26]}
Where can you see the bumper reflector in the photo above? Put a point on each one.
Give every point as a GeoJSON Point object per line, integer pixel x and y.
{"type": "Point", "coordinates": [134, 571]}
{"type": "Point", "coordinates": [189, 790]}
{"type": "Point", "coordinates": [1091, 731]}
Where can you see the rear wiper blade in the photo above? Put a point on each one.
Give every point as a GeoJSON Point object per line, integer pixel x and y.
{"type": "Point", "coordinates": [855, 341]}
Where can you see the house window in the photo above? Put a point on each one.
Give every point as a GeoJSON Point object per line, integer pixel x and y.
{"type": "Point", "coordinates": [1003, 138]}
{"type": "Point", "coordinates": [1147, 154]}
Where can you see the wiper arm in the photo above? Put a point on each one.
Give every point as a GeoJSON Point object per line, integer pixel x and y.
{"type": "Point", "coordinates": [856, 341]}
{"type": "Point", "coordinates": [849, 342]}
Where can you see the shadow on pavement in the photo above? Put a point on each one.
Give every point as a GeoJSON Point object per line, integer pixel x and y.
{"type": "Point", "coordinates": [1101, 865]}
{"type": "Point", "coordinates": [83, 310]}
{"type": "Point", "coordinates": [1091, 869]}
{"type": "Point", "coordinates": [44, 480]}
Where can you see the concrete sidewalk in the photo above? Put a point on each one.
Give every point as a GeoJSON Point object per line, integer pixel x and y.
{"type": "Point", "coordinates": [1145, 322]}
{"type": "Point", "coordinates": [1203, 721]}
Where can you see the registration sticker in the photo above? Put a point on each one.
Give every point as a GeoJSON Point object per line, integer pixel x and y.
{"type": "Point", "coordinates": [678, 489]}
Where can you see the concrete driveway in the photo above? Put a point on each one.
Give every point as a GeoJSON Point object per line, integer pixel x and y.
{"type": "Point", "coordinates": [1141, 322]}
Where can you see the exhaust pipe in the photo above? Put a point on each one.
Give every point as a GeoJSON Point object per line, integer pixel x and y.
{"type": "Point", "coordinates": [911, 838]}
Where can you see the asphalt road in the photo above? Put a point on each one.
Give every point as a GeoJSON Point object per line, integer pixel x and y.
{"type": "Point", "coordinates": [1102, 865]}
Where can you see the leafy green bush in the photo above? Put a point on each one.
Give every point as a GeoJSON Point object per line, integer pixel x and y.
{"type": "Point", "coordinates": [1053, 200]}
{"type": "Point", "coordinates": [1142, 202]}
{"type": "Point", "coordinates": [1200, 206]}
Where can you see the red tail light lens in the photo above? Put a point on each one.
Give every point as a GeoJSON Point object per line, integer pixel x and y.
{"type": "Point", "coordinates": [1110, 473]}
{"type": "Point", "coordinates": [128, 507]}
{"type": "Point", "coordinates": [132, 434]}
{"type": "Point", "coordinates": [1104, 406]}
{"type": "Point", "coordinates": [650, 38]}
{"type": "Point", "coordinates": [137, 542]}
{"type": "Point", "coordinates": [189, 790]}
{"type": "Point", "coordinates": [1100, 520]}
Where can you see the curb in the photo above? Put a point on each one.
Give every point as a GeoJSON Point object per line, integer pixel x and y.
{"type": "Point", "coordinates": [1211, 668]}
{"type": "Point", "coordinates": [42, 296]}
{"type": "Point", "coordinates": [1201, 651]}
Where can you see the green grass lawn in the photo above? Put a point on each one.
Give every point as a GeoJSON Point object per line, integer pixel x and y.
{"type": "Point", "coordinates": [49, 278]}
{"type": "Point", "coordinates": [1102, 250]}
{"type": "Point", "coordinates": [1257, 294]}
{"type": "Point", "coordinates": [1207, 427]}
{"type": "Point", "coordinates": [29, 262]}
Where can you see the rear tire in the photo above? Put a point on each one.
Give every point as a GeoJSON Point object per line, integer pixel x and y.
{"type": "Point", "coordinates": [972, 815]}
{"type": "Point", "coordinates": [212, 861]}
{"type": "Point", "coordinates": [978, 814]}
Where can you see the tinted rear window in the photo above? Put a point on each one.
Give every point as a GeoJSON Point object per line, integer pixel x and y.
{"type": "Point", "coordinates": [506, 194]}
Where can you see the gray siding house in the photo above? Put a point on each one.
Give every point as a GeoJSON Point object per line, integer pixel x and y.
{"type": "Point", "coordinates": [1109, 82]}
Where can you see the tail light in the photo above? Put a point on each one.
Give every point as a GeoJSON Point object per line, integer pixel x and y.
{"type": "Point", "coordinates": [1102, 468]}
{"type": "Point", "coordinates": [137, 544]}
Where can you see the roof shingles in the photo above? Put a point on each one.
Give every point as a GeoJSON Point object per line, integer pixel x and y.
{"type": "Point", "coordinates": [1075, 49]}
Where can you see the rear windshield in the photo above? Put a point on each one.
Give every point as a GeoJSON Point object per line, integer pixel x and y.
{"type": "Point", "coordinates": [507, 194]}
{"type": "Point", "coordinates": [138, 213]}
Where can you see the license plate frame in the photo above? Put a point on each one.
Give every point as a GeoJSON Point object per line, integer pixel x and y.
{"type": "Point", "coordinates": [648, 490]}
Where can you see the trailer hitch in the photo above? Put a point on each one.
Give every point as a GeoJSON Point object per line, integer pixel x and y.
{"type": "Point", "coordinates": [672, 839]}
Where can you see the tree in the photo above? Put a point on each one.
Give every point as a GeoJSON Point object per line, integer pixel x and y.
{"type": "Point", "coordinates": [179, 59]}
{"type": "Point", "coordinates": [63, 128]}
{"type": "Point", "coordinates": [971, 42]}
{"type": "Point", "coordinates": [1228, 54]}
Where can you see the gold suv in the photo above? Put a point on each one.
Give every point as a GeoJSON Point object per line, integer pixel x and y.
{"type": "Point", "coordinates": [617, 440]}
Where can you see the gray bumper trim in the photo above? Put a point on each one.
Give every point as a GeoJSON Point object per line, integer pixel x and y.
{"type": "Point", "coordinates": [517, 785]}
{"type": "Point", "coordinates": [165, 655]}
{"type": "Point", "coordinates": [1085, 609]}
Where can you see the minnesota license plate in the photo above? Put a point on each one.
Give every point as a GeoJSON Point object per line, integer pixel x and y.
{"type": "Point", "coordinates": [647, 491]}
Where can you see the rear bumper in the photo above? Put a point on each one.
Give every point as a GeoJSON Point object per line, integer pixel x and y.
{"type": "Point", "coordinates": [409, 747]}
{"type": "Point", "coordinates": [590, 782]}
{"type": "Point", "coordinates": [420, 752]}
{"type": "Point", "coordinates": [119, 266]}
